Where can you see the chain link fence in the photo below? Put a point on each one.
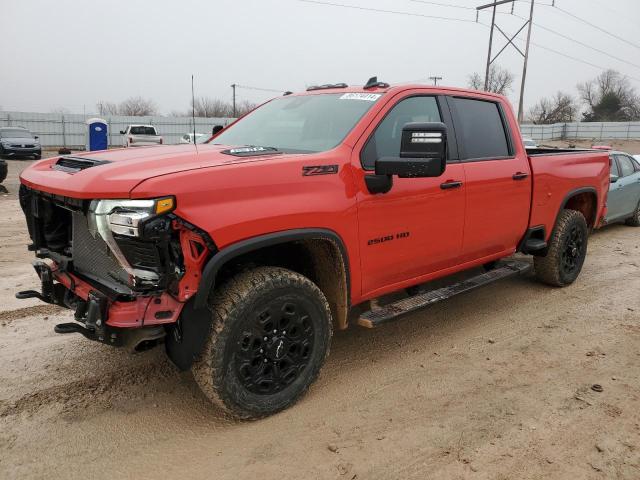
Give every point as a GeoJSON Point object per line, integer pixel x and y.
{"type": "Point", "coordinates": [70, 130]}
{"type": "Point", "coordinates": [583, 130]}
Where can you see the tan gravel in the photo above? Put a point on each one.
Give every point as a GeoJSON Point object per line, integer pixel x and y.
{"type": "Point", "coordinates": [495, 384]}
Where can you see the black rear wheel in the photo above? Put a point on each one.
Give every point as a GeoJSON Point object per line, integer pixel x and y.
{"type": "Point", "coordinates": [271, 333]}
{"type": "Point", "coordinates": [634, 220]}
{"type": "Point", "coordinates": [566, 252]}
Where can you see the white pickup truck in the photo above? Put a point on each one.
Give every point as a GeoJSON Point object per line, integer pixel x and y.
{"type": "Point", "coordinates": [140, 136]}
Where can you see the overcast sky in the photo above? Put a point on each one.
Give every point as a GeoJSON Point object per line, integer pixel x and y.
{"type": "Point", "coordinates": [73, 53]}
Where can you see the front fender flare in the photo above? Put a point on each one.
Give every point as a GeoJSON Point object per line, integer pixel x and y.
{"type": "Point", "coordinates": [216, 262]}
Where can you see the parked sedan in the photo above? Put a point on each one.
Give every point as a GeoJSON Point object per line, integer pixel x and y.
{"type": "Point", "coordinates": [19, 142]}
{"type": "Point", "coordinates": [188, 137]}
{"type": "Point", "coordinates": [623, 203]}
{"type": "Point", "coordinates": [529, 142]}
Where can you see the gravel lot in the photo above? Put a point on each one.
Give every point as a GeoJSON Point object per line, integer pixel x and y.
{"type": "Point", "coordinates": [495, 384]}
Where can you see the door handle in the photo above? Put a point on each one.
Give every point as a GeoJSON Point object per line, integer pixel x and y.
{"type": "Point", "coordinates": [450, 184]}
{"type": "Point", "coordinates": [520, 176]}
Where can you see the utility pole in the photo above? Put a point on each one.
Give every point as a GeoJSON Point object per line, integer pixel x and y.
{"type": "Point", "coordinates": [435, 79]}
{"type": "Point", "coordinates": [234, 99]}
{"type": "Point", "coordinates": [524, 67]}
{"type": "Point", "coordinates": [486, 72]}
{"type": "Point", "coordinates": [525, 54]}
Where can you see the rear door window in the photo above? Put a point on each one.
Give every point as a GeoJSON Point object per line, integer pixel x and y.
{"type": "Point", "coordinates": [480, 129]}
{"type": "Point", "coordinates": [626, 166]}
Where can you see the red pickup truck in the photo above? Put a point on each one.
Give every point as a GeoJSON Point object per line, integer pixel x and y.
{"type": "Point", "coordinates": [242, 255]}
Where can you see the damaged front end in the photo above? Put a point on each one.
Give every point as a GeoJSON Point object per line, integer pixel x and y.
{"type": "Point", "coordinates": [126, 267]}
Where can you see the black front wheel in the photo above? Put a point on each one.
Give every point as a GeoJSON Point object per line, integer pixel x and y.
{"type": "Point", "coordinates": [271, 334]}
{"type": "Point", "coordinates": [566, 252]}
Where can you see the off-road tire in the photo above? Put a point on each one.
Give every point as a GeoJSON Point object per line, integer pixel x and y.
{"type": "Point", "coordinates": [552, 269]}
{"type": "Point", "coordinates": [634, 220]}
{"type": "Point", "coordinates": [238, 308]}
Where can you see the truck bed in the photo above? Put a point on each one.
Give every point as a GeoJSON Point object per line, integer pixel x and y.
{"type": "Point", "coordinates": [561, 173]}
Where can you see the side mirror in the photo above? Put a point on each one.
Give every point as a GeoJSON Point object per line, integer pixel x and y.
{"type": "Point", "coordinates": [36, 137]}
{"type": "Point", "coordinates": [423, 152]}
{"type": "Point", "coordinates": [216, 129]}
{"type": "Point", "coordinates": [122, 132]}
{"type": "Point", "coordinates": [613, 178]}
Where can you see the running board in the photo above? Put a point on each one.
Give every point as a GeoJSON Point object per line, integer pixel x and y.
{"type": "Point", "coordinates": [374, 318]}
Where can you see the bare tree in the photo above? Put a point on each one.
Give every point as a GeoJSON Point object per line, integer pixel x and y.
{"type": "Point", "coordinates": [137, 107]}
{"type": "Point", "coordinates": [244, 107]}
{"type": "Point", "coordinates": [560, 108]}
{"type": "Point", "coordinates": [107, 108]}
{"type": "Point", "coordinates": [609, 97]}
{"type": "Point", "coordinates": [211, 107]}
{"type": "Point", "coordinates": [500, 80]}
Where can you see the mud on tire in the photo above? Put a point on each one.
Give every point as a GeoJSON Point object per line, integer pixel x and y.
{"type": "Point", "coordinates": [270, 335]}
{"type": "Point", "coordinates": [566, 252]}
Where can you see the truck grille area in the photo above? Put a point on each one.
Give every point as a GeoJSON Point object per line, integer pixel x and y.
{"type": "Point", "coordinates": [59, 228]}
{"type": "Point", "coordinates": [92, 257]}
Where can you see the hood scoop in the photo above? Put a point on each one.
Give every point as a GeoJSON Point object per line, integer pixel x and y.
{"type": "Point", "coordinates": [76, 164]}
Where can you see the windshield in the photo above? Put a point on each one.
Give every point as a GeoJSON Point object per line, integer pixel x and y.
{"type": "Point", "coordinates": [304, 124]}
{"type": "Point", "coordinates": [15, 133]}
{"type": "Point", "coordinates": [142, 131]}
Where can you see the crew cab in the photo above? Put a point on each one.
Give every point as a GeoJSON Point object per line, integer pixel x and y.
{"type": "Point", "coordinates": [140, 136]}
{"type": "Point", "coordinates": [244, 254]}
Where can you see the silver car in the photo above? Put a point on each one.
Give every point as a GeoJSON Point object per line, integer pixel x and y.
{"type": "Point", "coordinates": [623, 204]}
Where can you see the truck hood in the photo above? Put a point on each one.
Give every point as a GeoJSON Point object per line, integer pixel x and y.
{"type": "Point", "coordinates": [115, 173]}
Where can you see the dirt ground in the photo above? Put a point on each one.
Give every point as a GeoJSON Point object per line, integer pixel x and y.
{"type": "Point", "coordinates": [495, 384]}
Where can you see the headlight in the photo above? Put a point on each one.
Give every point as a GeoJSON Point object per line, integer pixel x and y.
{"type": "Point", "coordinates": [125, 217]}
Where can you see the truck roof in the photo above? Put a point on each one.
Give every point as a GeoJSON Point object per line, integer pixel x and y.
{"type": "Point", "coordinates": [398, 88]}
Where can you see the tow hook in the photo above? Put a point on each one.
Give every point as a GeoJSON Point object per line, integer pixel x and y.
{"type": "Point", "coordinates": [46, 277]}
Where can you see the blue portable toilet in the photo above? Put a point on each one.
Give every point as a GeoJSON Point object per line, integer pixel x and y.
{"type": "Point", "coordinates": [97, 134]}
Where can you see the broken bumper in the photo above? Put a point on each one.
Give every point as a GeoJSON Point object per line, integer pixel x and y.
{"type": "Point", "coordinates": [101, 318]}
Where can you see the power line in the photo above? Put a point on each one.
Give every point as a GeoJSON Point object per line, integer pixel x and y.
{"type": "Point", "coordinates": [585, 62]}
{"type": "Point", "coordinates": [597, 27]}
{"type": "Point", "coordinates": [542, 27]}
{"type": "Point", "coordinates": [260, 89]}
{"type": "Point", "coordinates": [579, 60]}
{"type": "Point", "coordinates": [379, 10]}
{"type": "Point", "coordinates": [570, 57]}
{"type": "Point", "coordinates": [438, 4]}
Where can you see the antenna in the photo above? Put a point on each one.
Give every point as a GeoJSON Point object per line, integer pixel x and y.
{"type": "Point", "coordinates": [193, 112]}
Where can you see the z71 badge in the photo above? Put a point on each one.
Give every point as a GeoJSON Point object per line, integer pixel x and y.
{"type": "Point", "coordinates": [319, 170]}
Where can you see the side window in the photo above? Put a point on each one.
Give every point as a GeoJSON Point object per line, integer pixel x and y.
{"type": "Point", "coordinates": [614, 166]}
{"type": "Point", "coordinates": [626, 167]}
{"type": "Point", "coordinates": [385, 141]}
{"type": "Point", "coordinates": [481, 131]}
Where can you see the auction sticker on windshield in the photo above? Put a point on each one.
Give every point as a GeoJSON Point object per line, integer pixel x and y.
{"type": "Point", "coordinates": [369, 97]}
